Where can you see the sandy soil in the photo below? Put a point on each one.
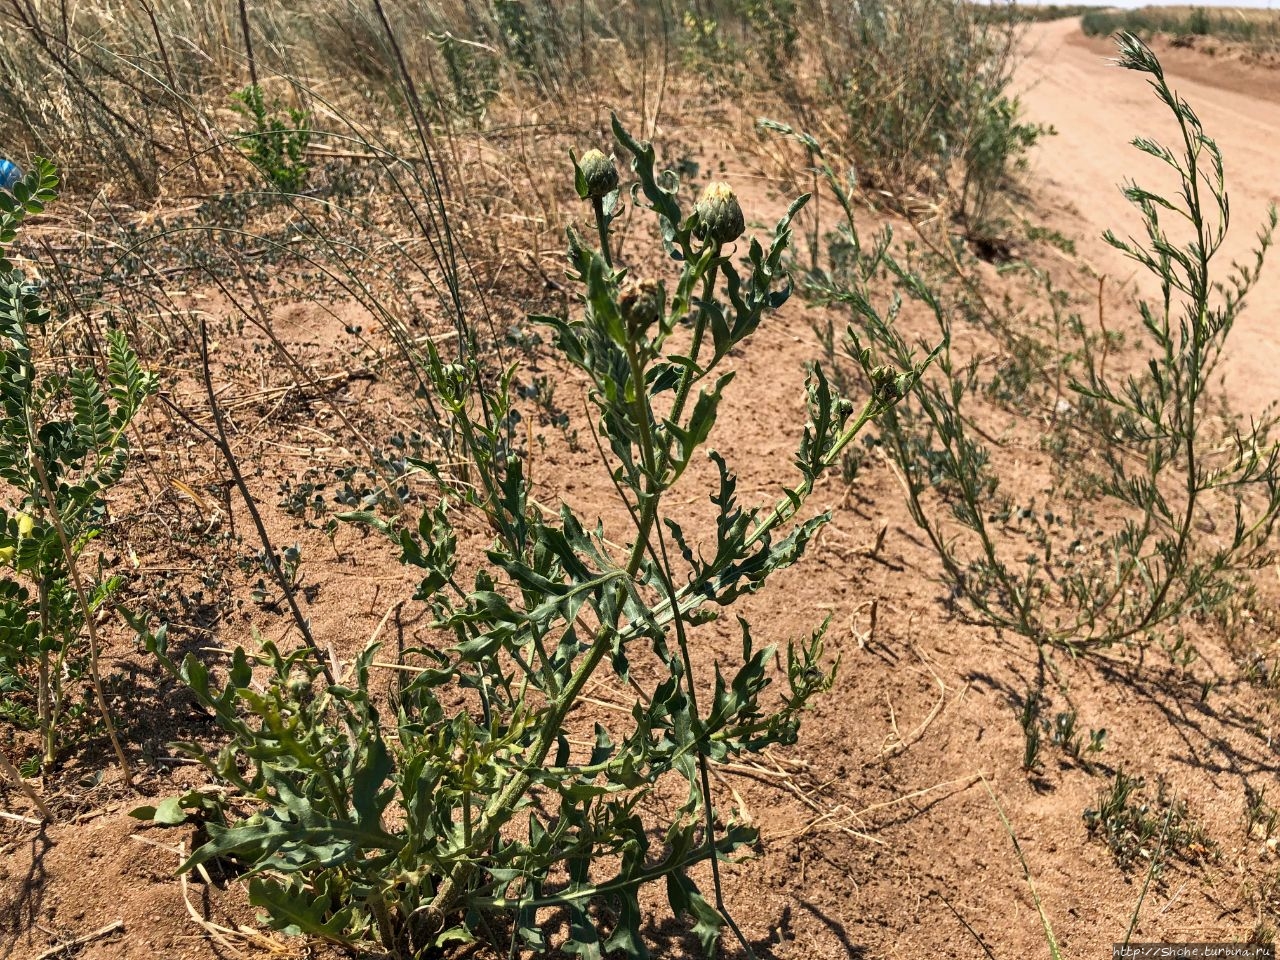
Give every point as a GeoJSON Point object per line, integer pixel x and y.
{"type": "Point", "coordinates": [879, 837]}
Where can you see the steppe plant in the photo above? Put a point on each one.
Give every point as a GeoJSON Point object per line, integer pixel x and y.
{"type": "Point", "coordinates": [63, 445]}
{"type": "Point", "coordinates": [1160, 502]}
{"type": "Point", "coordinates": [481, 803]}
{"type": "Point", "coordinates": [276, 147]}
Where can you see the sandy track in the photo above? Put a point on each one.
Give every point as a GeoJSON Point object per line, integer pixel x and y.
{"type": "Point", "coordinates": [1097, 108]}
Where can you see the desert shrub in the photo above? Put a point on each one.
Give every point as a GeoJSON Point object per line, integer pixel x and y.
{"type": "Point", "coordinates": [924, 90]}
{"type": "Point", "coordinates": [63, 445]}
{"type": "Point", "coordinates": [1158, 503]}
{"type": "Point", "coordinates": [474, 803]}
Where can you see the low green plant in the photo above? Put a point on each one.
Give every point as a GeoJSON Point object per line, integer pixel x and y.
{"type": "Point", "coordinates": [1032, 725]}
{"type": "Point", "coordinates": [1063, 731]}
{"type": "Point", "coordinates": [1139, 828]}
{"type": "Point", "coordinates": [1142, 461]}
{"type": "Point", "coordinates": [275, 143]}
{"type": "Point", "coordinates": [477, 802]}
{"type": "Point", "coordinates": [63, 446]}
{"type": "Point", "coordinates": [1262, 818]}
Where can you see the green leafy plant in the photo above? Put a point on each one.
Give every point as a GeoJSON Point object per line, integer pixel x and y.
{"type": "Point", "coordinates": [276, 145]}
{"type": "Point", "coordinates": [483, 802]}
{"type": "Point", "coordinates": [63, 445]}
{"type": "Point", "coordinates": [1143, 461]}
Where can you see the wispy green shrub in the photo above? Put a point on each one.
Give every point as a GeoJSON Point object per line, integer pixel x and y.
{"type": "Point", "coordinates": [1158, 504]}
{"type": "Point", "coordinates": [924, 89]}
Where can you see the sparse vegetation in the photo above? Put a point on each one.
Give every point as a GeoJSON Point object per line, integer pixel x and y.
{"type": "Point", "coordinates": [402, 586]}
{"type": "Point", "coordinates": [1145, 832]}
{"type": "Point", "coordinates": [1254, 27]}
{"type": "Point", "coordinates": [1148, 449]}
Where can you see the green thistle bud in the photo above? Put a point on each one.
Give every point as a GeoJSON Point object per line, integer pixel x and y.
{"type": "Point", "coordinates": [719, 214]}
{"type": "Point", "coordinates": [641, 305]}
{"type": "Point", "coordinates": [888, 385]}
{"type": "Point", "coordinates": [299, 687]}
{"type": "Point", "coordinates": [599, 175]}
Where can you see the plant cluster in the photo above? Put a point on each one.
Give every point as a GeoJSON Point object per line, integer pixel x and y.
{"type": "Point", "coordinates": [1142, 831]}
{"type": "Point", "coordinates": [476, 802]}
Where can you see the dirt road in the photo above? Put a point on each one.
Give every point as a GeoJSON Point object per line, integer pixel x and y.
{"type": "Point", "coordinates": [1097, 108]}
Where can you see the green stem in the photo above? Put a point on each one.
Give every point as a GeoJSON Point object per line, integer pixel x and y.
{"type": "Point", "coordinates": [786, 507]}
{"type": "Point", "coordinates": [44, 693]}
{"type": "Point", "coordinates": [653, 482]}
{"type": "Point", "coordinates": [699, 332]}
{"type": "Point", "coordinates": [602, 227]}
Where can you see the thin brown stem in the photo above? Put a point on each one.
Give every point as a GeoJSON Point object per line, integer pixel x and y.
{"type": "Point", "coordinates": [273, 564]}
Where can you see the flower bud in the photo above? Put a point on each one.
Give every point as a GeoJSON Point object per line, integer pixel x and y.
{"type": "Point", "coordinates": [719, 214]}
{"type": "Point", "coordinates": [599, 174]}
{"type": "Point", "coordinates": [888, 385]}
{"type": "Point", "coordinates": [641, 305]}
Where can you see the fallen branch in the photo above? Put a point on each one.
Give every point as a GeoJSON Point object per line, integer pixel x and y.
{"type": "Point", "coordinates": [98, 934]}
{"type": "Point", "coordinates": [15, 775]}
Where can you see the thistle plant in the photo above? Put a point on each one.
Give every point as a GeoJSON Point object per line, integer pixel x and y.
{"type": "Point", "coordinates": [1161, 503]}
{"type": "Point", "coordinates": [63, 445]}
{"type": "Point", "coordinates": [477, 801]}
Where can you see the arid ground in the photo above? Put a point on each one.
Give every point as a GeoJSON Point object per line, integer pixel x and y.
{"type": "Point", "coordinates": [883, 831]}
